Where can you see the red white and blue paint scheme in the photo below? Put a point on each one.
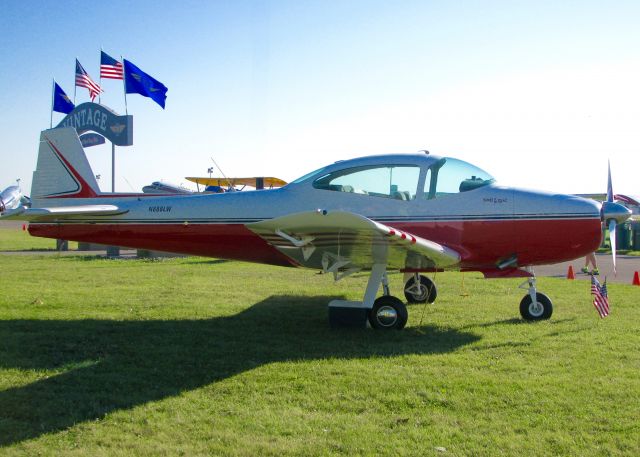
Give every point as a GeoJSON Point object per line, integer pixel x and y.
{"type": "Point", "coordinates": [414, 213]}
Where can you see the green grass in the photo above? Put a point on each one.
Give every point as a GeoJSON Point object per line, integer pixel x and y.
{"type": "Point", "coordinates": [13, 238]}
{"type": "Point", "coordinates": [204, 357]}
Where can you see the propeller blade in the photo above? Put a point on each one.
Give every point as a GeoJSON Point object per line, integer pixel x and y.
{"type": "Point", "coordinates": [612, 238]}
{"type": "Point", "coordinates": [609, 185]}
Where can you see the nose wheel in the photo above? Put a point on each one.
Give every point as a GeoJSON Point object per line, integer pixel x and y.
{"type": "Point", "coordinates": [535, 306]}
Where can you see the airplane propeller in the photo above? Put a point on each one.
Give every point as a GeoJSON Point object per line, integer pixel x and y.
{"type": "Point", "coordinates": [613, 214]}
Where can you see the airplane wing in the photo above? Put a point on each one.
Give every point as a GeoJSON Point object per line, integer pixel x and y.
{"type": "Point", "coordinates": [60, 212]}
{"type": "Point", "coordinates": [340, 241]}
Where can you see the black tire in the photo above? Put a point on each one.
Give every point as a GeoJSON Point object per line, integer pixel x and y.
{"type": "Point", "coordinates": [388, 313]}
{"type": "Point", "coordinates": [542, 311]}
{"type": "Point", "coordinates": [428, 291]}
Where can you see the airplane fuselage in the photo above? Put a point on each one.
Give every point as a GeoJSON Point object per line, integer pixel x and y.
{"type": "Point", "coordinates": [489, 226]}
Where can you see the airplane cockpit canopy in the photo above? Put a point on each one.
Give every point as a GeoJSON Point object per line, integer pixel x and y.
{"type": "Point", "coordinates": [388, 181]}
{"type": "Point", "coordinates": [402, 181]}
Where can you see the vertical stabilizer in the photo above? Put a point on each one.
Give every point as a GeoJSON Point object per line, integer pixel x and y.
{"type": "Point", "coordinates": [63, 170]}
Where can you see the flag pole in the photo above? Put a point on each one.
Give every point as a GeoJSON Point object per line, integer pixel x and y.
{"type": "Point", "coordinates": [124, 84]}
{"type": "Point", "coordinates": [53, 91]}
{"type": "Point", "coordinates": [100, 77]}
{"type": "Point", "coordinates": [75, 86]}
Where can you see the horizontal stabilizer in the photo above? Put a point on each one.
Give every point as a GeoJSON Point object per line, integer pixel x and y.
{"type": "Point", "coordinates": [61, 212]}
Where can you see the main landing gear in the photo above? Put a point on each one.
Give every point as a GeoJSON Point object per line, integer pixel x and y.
{"type": "Point", "coordinates": [386, 312]}
{"type": "Point", "coordinates": [535, 306]}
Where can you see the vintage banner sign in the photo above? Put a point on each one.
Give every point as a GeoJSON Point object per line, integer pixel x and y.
{"type": "Point", "coordinates": [100, 119]}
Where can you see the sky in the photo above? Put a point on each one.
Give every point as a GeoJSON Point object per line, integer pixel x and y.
{"type": "Point", "coordinates": [540, 94]}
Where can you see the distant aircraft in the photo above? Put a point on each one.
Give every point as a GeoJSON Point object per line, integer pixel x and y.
{"type": "Point", "coordinates": [159, 187]}
{"type": "Point", "coordinates": [413, 213]}
{"type": "Point", "coordinates": [258, 182]}
{"type": "Point", "coordinates": [12, 198]}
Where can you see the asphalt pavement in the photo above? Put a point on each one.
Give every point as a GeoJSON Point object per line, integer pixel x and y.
{"type": "Point", "coordinates": [626, 266]}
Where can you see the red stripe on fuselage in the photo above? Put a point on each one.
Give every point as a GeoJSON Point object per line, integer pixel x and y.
{"type": "Point", "coordinates": [481, 244]}
{"type": "Point", "coordinates": [535, 242]}
{"type": "Point", "coordinates": [209, 240]}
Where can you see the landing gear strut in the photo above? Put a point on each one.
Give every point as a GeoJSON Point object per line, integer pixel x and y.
{"type": "Point", "coordinates": [535, 306]}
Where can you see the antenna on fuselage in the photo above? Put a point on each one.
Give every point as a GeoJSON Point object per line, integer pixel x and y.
{"type": "Point", "coordinates": [424, 150]}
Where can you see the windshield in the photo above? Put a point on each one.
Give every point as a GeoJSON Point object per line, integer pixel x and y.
{"type": "Point", "coordinates": [308, 175]}
{"type": "Point", "coordinates": [451, 176]}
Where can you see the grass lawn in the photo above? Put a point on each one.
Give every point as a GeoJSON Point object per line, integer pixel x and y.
{"type": "Point", "coordinates": [197, 356]}
{"type": "Point", "coordinates": [13, 238]}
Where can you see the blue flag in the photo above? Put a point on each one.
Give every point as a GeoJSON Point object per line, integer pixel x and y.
{"type": "Point", "coordinates": [61, 103]}
{"type": "Point", "coordinates": [138, 82]}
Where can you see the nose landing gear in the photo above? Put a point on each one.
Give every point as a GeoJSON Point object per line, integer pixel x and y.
{"type": "Point", "coordinates": [535, 306]}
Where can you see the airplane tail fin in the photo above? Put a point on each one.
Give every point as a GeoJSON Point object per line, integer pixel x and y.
{"type": "Point", "coordinates": [63, 170]}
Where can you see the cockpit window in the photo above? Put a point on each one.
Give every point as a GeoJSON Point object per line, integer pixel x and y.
{"type": "Point", "coordinates": [451, 176]}
{"type": "Point", "coordinates": [399, 181]}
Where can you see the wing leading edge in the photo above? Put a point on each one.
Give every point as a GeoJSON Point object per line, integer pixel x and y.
{"type": "Point", "coordinates": [341, 241]}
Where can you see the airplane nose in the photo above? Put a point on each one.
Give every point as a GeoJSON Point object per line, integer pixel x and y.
{"type": "Point", "coordinates": [614, 211]}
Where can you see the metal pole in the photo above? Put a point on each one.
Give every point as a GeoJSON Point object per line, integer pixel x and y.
{"type": "Point", "coordinates": [53, 91]}
{"type": "Point", "coordinates": [113, 167]}
{"type": "Point", "coordinates": [74, 82]}
{"type": "Point", "coordinates": [100, 76]}
{"type": "Point", "coordinates": [124, 84]}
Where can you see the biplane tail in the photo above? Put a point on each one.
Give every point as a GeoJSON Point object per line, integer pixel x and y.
{"type": "Point", "coordinates": [63, 170]}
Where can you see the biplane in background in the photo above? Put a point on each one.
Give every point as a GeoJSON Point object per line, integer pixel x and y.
{"type": "Point", "coordinates": [219, 185]}
{"type": "Point", "coordinates": [414, 213]}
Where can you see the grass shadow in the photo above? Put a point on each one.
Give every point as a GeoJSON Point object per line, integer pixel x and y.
{"type": "Point", "coordinates": [110, 365]}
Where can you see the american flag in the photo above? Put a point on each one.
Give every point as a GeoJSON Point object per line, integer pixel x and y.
{"type": "Point", "coordinates": [600, 298]}
{"type": "Point", "coordinates": [84, 80]}
{"type": "Point", "coordinates": [110, 68]}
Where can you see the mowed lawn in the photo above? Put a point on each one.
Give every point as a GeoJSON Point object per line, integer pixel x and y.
{"type": "Point", "coordinates": [200, 356]}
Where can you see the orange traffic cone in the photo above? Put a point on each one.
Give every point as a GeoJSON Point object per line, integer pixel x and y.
{"type": "Point", "coordinates": [636, 279]}
{"type": "Point", "coordinates": [570, 273]}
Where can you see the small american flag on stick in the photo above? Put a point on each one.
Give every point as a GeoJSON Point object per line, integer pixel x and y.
{"type": "Point", "coordinates": [84, 80]}
{"type": "Point", "coordinates": [600, 297]}
{"type": "Point", "coordinates": [110, 68]}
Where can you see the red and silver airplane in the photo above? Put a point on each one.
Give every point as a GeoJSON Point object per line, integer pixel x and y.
{"type": "Point", "coordinates": [413, 213]}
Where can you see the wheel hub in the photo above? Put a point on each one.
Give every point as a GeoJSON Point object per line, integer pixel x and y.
{"type": "Point", "coordinates": [387, 316]}
{"type": "Point", "coordinates": [536, 309]}
{"type": "Point", "coordinates": [419, 292]}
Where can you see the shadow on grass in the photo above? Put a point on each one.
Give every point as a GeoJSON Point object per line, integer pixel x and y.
{"type": "Point", "coordinates": [110, 365]}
